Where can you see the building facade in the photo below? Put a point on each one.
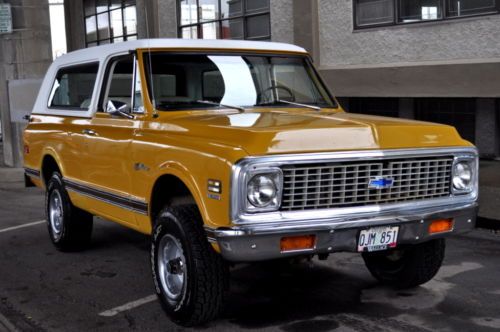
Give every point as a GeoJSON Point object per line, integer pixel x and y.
{"type": "Point", "coordinates": [432, 60]}
{"type": "Point", "coordinates": [25, 55]}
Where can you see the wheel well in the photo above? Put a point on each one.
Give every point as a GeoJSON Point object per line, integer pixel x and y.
{"type": "Point", "coordinates": [49, 166]}
{"type": "Point", "coordinates": [169, 189]}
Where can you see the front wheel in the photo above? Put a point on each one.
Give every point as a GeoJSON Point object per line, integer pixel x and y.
{"type": "Point", "coordinates": [409, 267]}
{"type": "Point", "coordinates": [189, 276]}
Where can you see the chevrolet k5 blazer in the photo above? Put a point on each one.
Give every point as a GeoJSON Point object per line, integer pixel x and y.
{"type": "Point", "coordinates": [236, 151]}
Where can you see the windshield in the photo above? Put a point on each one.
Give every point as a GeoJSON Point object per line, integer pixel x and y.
{"type": "Point", "coordinates": [181, 81]}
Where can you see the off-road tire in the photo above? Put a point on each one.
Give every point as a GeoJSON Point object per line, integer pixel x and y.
{"type": "Point", "coordinates": [76, 224]}
{"type": "Point", "coordinates": [206, 273]}
{"type": "Point", "coordinates": [416, 265]}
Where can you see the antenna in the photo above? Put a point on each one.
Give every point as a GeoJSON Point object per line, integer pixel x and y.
{"type": "Point", "coordinates": [150, 65]}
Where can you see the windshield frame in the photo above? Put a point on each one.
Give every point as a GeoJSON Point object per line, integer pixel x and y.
{"type": "Point", "coordinates": [311, 70]}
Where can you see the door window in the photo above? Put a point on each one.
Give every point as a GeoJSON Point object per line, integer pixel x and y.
{"type": "Point", "coordinates": [123, 89]}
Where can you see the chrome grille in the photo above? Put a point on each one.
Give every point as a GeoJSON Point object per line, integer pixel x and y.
{"type": "Point", "coordinates": [346, 184]}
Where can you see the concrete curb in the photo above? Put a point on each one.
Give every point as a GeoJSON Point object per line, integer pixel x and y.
{"type": "Point", "coordinates": [6, 325]}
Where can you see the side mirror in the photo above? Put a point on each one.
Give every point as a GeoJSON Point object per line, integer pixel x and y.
{"type": "Point", "coordinates": [122, 111]}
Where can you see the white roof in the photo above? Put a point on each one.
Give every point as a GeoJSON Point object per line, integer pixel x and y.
{"type": "Point", "coordinates": [103, 51]}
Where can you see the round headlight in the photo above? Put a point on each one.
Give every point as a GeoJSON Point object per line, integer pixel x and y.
{"type": "Point", "coordinates": [462, 176]}
{"type": "Point", "coordinates": [261, 190]}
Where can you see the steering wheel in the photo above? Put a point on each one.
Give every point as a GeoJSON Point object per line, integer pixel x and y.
{"type": "Point", "coordinates": [276, 88]}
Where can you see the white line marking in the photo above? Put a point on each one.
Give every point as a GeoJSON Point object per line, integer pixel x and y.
{"type": "Point", "coordinates": [22, 226]}
{"type": "Point", "coordinates": [128, 306]}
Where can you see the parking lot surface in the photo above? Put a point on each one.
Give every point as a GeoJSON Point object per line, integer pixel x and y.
{"type": "Point", "coordinates": [109, 288]}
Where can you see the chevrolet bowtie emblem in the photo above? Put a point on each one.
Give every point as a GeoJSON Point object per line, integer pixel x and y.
{"type": "Point", "coordinates": [380, 183]}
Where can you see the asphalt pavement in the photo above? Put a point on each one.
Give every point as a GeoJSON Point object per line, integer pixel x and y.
{"type": "Point", "coordinates": [109, 288]}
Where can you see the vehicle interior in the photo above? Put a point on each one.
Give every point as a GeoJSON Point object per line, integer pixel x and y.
{"type": "Point", "coordinates": [183, 80]}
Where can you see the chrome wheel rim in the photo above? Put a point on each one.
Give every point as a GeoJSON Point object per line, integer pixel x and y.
{"type": "Point", "coordinates": [172, 267]}
{"type": "Point", "coordinates": [56, 214]}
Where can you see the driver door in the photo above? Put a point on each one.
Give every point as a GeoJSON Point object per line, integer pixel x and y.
{"type": "Point", "coordinates": [107, 164]}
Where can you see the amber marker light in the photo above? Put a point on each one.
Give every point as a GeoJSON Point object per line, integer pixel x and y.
{"type": "Point", "coordinates": [441, 226]}
{"type": "Point", "coordinates": [294, 243]}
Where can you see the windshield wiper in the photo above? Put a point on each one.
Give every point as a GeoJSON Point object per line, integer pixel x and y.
{"type": "Point", "coordinates": [317, 108]}
{"type": "Point", "coordinates": [241, 109]}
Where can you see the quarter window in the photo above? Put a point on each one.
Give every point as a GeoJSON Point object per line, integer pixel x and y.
{"type": "Point", "coordinates": [109, 21]}
{"type": "Point", "coordinates": [224, 19]}
{"type": "Point", "coordinates": [369, 13]}
{"type": "Point", "coordinates": [73, 87]}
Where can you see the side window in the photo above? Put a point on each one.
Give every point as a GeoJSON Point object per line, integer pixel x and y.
{"type": "Point", "coordinates": [123, 90]}
{"type": "Point", "coordinates": [73, 87]}
{"type": "Point", "coordinates": [137, 105]}
{"type": "Point", "coordinates": [119, 89]}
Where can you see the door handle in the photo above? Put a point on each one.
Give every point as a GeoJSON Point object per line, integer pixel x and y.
{"type": "Point", "coordinates": [89, 132]}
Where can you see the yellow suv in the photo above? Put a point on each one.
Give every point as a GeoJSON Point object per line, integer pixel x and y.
{"type": "Point", "coordinates": [235, 151]}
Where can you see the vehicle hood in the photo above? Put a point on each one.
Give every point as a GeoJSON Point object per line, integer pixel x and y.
{"type": "Point", "coordinates": [277, 131]}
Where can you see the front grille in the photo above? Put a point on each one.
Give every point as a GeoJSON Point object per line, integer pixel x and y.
{"type": "Point", "coordinates": [346, 184]}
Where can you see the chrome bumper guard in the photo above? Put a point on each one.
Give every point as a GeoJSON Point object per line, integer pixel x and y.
{"type": "Point", "coordinates": [261, 241]}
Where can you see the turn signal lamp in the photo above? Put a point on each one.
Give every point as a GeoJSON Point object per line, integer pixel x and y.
{"type": "Point", "coordinates": [294, 243]}
{"type": "Point", "coordinates": [441, 226]}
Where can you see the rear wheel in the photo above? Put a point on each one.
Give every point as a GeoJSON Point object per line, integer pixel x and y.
{"type": "Point", "coordinates": [70, 228]}
{"type": "Point", "coordinates": [409, 267]}
{"type": "Point", "coordinates": [189, 276]}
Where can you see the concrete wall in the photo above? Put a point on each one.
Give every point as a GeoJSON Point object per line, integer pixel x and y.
{"type": "Point", "coordinates": [451, 58]}
{"type": "Point", "coordinates": [466, 38]}
{"type": "Point", "coordinates": [167, 18]}
{"type": "Point", "coordinates": [306, 28]}
{"type": "Point", "coordinates": [75, 25]}
{"type": "Point", "coordinates": [24, 54]}
{"type": "Point", "coordinates": [487, 127]}
{"type": "Point", "coordinates": [282, 26]}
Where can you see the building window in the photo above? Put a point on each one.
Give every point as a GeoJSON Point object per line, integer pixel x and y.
{"type": "Point", "coordinates": [224, 19]}
{"type": "Point", "coordinates": [109, 21]}
{"type": "Point", "coordinates": [370, 13]}
{"type": "Point", "coordinates": [374, 12]}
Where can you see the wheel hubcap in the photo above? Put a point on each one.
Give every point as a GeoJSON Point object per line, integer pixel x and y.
{"type": "Point", "coordinates": [56, 213]}
{"type": "Point", "coordinates": [172, 267]}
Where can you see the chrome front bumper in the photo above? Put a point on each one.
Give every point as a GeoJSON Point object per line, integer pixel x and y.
{"type": "Point", "coordinates": [261, 241]}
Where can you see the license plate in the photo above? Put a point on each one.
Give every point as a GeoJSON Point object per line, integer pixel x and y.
{"type": "Point", "coordinates": [378, 238]}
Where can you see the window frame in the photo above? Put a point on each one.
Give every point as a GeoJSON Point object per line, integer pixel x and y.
{"type": "Point", "coordinates": [395, 22]}
{"type": "Point", "coordinates": [245, 14]}
{"type": "Point", "coordinates": [109, 40]}
{"type": "Point", "coordinates": [73, 108]}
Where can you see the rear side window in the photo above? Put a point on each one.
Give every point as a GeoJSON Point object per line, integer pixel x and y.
{"type": "Point", "coordinates": [73, 87]}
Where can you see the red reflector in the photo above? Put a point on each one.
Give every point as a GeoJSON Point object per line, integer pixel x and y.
{"type": "Point", "coordinates": [292, 243]}
{"type": "Point", "coordinates": [440, 226]}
